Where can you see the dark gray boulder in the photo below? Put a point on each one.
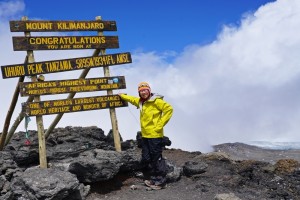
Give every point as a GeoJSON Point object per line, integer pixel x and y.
{"type": "Point", "coordinates": [174, 172]}
{"type": "Point", "coordinates": [77, 157]}
{"type": "Point", "coordinates": [96, 165]}
{"type": "Point", "coordinates": [191, 168]}
{"type": "Point", "coordinates": [37, 183]}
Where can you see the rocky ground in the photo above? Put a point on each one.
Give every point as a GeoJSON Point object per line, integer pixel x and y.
{"type": "Point", "coordinates": [235, 171]}
{"type": "Point", "coordinates": [240, 151]}
{"type": "Point", "coordinates": [83, 165]}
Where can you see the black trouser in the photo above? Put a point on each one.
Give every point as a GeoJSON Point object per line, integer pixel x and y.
{"type": "Point", "coordinates": [152, 154]}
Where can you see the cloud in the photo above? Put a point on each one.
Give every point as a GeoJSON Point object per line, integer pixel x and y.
{"type": "Point", "coordinates": [241, 87]}
{"type": "Point", "coordinates": [11, 8]}
{"type": "Point", "coordinates": [244, 86]}
{"type": "Point", "coordinates": [246, 80]}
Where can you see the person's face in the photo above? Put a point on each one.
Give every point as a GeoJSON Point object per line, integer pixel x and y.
{"type": "Point", "coordinates": [144, 94]}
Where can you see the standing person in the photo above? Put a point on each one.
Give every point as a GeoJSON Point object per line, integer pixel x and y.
{"type": "Point", "coordinates": [154, 115]}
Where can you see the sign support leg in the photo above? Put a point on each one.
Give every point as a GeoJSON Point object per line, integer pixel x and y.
{"type": "Point", "coordinates": [39, 118]}
{"type": "Point", "coordinates": [112, 111]}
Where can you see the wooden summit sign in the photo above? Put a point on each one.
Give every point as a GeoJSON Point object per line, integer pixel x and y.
{"type": "Point", "coordinates": [30, 69]}
{"type": "Point", "coordinates": [72, 105]}
{"type": "Point", "coordinates": [47, 26]}
{"type": "Point", "coordinates": [64, 42]}
{"type": "Point", "coordinates": [38, 87]}
{"type": "Point", "coordinates": [72, 85]}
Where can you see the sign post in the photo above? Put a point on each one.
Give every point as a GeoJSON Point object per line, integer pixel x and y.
{"type": "Point", "coordinates": [39, 118]}
{"type": "Point", "coordinates": [112, 111]}
{"type": "Point", "coordinates": [38, 86]}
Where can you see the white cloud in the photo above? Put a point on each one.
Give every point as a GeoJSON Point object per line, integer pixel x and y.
{"type": "Point", "coordinates": [242, 87]}
{"type": "Point", "coordinates": [11, 8]}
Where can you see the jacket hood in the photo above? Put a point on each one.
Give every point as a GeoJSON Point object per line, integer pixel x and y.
{"type": "Point", "coordinates": [156, 96]}
{"type": "Point", "coordinates": [153, 97]}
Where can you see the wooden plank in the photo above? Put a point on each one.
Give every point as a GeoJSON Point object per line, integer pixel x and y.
{"type": "Point", "coordinates": [64, 42]}
{"type": "Point", "coordinates": [17, 70]}
{"type": "Point", "coordinates": [72, 105]}
{"type": "Point", "coordinates": [72, 85]}
{"type": "Point", "coordinates": [55, 26]}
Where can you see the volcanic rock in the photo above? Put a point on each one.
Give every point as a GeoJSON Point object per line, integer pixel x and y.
{"type": "Point", "coordinates": [83, 164]}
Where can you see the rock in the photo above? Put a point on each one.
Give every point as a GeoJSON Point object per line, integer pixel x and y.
{"type": "Point", "coordinates": [62, 143]}
{"type": "Point", "coordinates": [128, 144]}
{"type": "Point", "coordinates": [110, 137]}
{"type": "Point", "coordinates": [7, 165]}
{"type": "Point", "coordinates": [174, 172]}
{"type": "Point", "coordinates": [83, 164]}
{"type": "Point", "coordinates": [36, 183]}
{"type": "Point", "coordinates": [7, 196]}
{"type": "Point", "coordinates": [96, 165]}
{"type": "Point", "coordinates": [216, 156]}
{"type": "Point", "coordinates": [286, 166]}
{"type": "Point", "coordinates": [192, 168]}
{"type": "Point", "coordinates": [25, 155]}
{"type": "Point", "coordinates": [130, 161]}
{"type": "Point", "coordinates": [229, 196]}
{"type": "Point", "coordinates": [84, 190]}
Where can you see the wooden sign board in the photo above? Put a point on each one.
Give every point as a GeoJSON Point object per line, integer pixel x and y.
{"type": "Point", "coordinates": [72, 105]}
{"type": "Point", "coordinates": [30, 69]}
{"type": "Point", "coordinates": [21, 43]}
{"type": "Point", "coordinates": [72, 85]}
{"type": "Point", "coordinates": [54, 26]}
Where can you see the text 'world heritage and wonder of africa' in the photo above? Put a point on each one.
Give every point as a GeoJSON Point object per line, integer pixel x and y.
{"type": "Point", "coordinates": [72, 105]}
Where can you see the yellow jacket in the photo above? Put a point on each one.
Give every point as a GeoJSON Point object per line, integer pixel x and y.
{"type": "Point", "coordinates": [154, 114]}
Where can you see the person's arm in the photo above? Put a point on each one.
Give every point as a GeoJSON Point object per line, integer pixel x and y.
{"type": "Point", "coordinates": [167, 112]}
{"type": "Point", "coordinates": [131, 99]}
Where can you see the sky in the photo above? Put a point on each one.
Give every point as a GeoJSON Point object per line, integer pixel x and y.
{"type": "Point", "coordinates": [230, 69]}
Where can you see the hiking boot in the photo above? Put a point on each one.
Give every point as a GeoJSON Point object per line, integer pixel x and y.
{"type": "Point", "coordinates": [156, 183]}
{"type": "Point", "coordinates": [149, 183]}
{"type": "Point", "coordinates": [157, 187]}
{"type": "Point", "coordinates": [160, 181]}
